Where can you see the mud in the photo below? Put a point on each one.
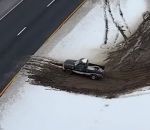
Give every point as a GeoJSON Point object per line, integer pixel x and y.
{"type": "Point", "coordinates": [127, 69]}
{"type": "Point", "coordinates": [45, 72]}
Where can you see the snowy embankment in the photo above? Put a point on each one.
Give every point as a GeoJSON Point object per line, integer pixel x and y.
{"type": "Point", "coordinates": [35, 107]}
{"type": "Point", "coordinates": [84, 34]}
{"type": "Point", "coordinates": [31, 107]}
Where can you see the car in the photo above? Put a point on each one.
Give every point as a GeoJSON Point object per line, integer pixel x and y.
{"type": "Point", "coordinates": [83, 67]}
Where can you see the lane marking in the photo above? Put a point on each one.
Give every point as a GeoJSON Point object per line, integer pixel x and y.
{"type": "Point", "coordinates": [22, 31]}
{"type": "Point", "coordinates": [50, 3]}
{"type": "Point", "coordinates": [14, 78]}
{"type": "Point", "coordinates": [11, 10]}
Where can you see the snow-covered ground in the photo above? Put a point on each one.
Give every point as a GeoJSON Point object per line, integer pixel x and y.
{"type": "Point", "coordinates": [83, 35]}
{"type": "Point", "coordinates": [30, 107]}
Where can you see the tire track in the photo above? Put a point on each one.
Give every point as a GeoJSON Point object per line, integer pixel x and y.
{"type": "Point", "coordinates": [106, 23]}
{"type": "Point", "coordinates": [123, 18]}
{"type": "Point", "coordinates": [113, 20]}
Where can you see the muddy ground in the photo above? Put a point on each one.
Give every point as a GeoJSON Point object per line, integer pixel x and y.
{"type": "Point", "coordinates": [127, 69]}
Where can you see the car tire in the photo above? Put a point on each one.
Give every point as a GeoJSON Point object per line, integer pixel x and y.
{"type": "Point", "coordinates": [101, 77]}
{"type": "Point", "coordinates": [93, 77]}
{"type": "Point", "coordinates": [69, 71]}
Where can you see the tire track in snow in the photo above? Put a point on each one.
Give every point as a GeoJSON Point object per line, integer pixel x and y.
{"type": "Point", "coordinates": [122, 15]}
{"type": "Point", "coordinates": [106, 23]}
{"type": "Point", "coordinates": [113, 20]}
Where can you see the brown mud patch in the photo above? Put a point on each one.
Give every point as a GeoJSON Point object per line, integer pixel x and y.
{"type": "Point", "coordinates": [127, 69]}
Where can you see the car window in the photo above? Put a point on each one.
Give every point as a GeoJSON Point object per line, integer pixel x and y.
{"type": "Point", "coordinates": [80, 67]}
{"type": "Point", "coordinates": [77, 62]}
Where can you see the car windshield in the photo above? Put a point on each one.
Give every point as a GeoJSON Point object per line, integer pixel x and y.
{"type": "Point", "coordinates": [81, 61]}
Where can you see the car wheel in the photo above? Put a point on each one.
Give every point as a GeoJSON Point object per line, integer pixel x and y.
{"type": "Point", "coordinates": [69, 71]}
{"type": "Point", "coordinates": [93, 77]}
{"type": "Point", "coordinates": [64, 69]}
{"type": "Point", "coordinates": [101, 77]}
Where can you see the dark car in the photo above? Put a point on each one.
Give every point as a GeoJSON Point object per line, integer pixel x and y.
{"type": "Point", "coordinates": [83, 67]}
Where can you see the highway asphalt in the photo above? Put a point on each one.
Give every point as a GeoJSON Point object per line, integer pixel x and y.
{"type": "Point", "coordinates": [25, 29]}
{"type": "Point", "coordinates": [6, 6]}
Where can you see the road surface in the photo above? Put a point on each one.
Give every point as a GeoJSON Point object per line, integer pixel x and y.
{"type": "Point", "coordinates": [6, 6]}
{"type": "Point", "coordinates": [26, 28]}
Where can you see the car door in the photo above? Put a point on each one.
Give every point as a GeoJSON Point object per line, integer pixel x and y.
{"type": "Point", "coordinates": [80, 67]}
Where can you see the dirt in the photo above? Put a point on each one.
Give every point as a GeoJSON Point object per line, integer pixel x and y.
{"type": "Point", "coordinates": [127, 69]}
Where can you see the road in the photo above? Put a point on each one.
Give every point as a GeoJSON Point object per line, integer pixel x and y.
{"type": "Point", "coordinates": [6, 6]}
{"type": "Point", "coordinates": [25, 29]}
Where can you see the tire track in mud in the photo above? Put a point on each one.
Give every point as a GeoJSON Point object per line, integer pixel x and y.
{"type": "Point", "coordinates": [131, 62]}
{"type": "Point", "coordinates": [37, 63]}
{"type": "Point", "coordinates": [47, 72]}
{"type": "Point", "coordinates": [120, 77]}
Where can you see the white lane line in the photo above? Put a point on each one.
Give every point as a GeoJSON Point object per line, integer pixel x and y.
{"type": "Point", "coordinates": [11, 10]}
{"type": "Point", "coordinates": [51, 3]}
{"type": "Point", "coordinates": [22, 31]}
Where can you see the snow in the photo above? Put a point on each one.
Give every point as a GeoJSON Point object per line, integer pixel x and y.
{"type": "Point", "coordinates": [36, 107]}
{"type": "Point", "coordinates": [31, 107]}
{"type": "Point", "coordinates": [87, 37]}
